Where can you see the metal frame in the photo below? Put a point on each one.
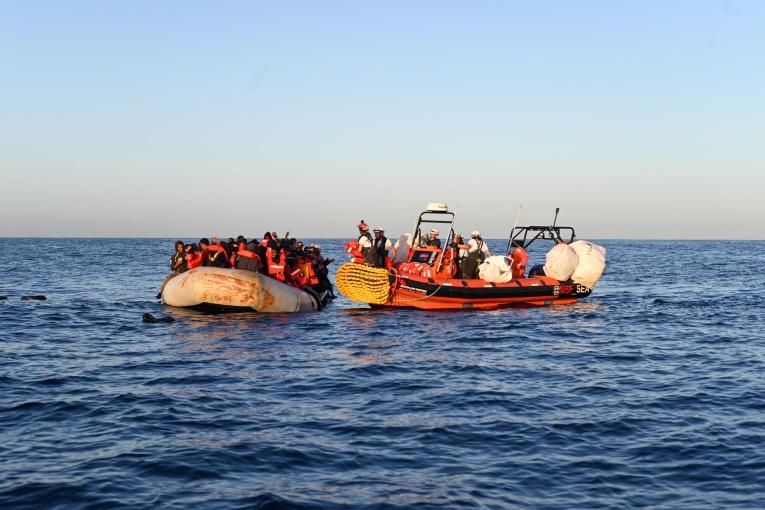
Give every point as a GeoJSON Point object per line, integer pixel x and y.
{"type": "Point", "coordinates": [449, 237]}
{"type": "Point", "coordinates": [520, 235]}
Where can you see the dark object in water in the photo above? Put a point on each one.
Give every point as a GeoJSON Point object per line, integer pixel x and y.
{"type": "Point", "coordinates": [147, 317]}
{"type": "Point", "coordinates": [33, 298]}
{"type": "Point", "coordinates": [3, 297]}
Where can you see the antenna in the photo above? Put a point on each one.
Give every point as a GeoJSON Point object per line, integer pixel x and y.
{"type": "Point", "coordinates": [512, 232]}
{"type": "Point", "coordinates": [555, 220]}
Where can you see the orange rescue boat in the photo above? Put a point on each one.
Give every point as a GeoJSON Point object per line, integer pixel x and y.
{"type": "Point", "coordinates": [426, 279]}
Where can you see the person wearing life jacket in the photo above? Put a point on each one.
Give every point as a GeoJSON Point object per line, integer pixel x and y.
{"type": "Point", "coordinates": [383, 247]}
{"type": "Point", "coordinates": [193, 257]}
{"type": "Point", "coordinates": [247, 258]}
{"type": "Point", "coordinates": [321, 265]}
{"type": "Point", "coordinates": [261, 251]}
{"type": "Point", "coordinates": [204, 245]}
{"type": "Point", "coordinates": [276, 264]}
{"type": "Point", "coordinates": [218, 255]}
{"type": "Point", "coordinates": [240, 242]}
{"type": "Point", "coordinates": [477, 251]}
{"type": "Point", "coordinates": [365, 245]}
{"type": "Point", "coordinates": [304, 274]}
{"type": "Point", "coordinates": [518, 260]}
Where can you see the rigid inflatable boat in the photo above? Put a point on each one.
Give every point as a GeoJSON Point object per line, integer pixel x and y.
{"type": "Point", "coordinates": [222, 289]}
{"type": "Point", "coordinates": [426, 278]}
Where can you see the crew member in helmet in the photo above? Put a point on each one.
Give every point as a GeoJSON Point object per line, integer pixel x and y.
{"type": "Point", "coordinates": [365, 244]}
{"type": "Point", "coordinates": [384, 249]}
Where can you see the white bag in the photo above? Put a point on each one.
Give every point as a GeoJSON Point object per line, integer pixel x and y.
{"type": "Point", "coordinates": [561, 262]}
{"type": "Point", "coordinates": [488, 272]}
{"type": "Point", "coordinates": [402, 247]}
{"type": "Point", "coordinates": [495, 270]}
{"type": "Point", "coordinates": [592, 262]}
{"type": "Point", "coordinates": [499, 261]}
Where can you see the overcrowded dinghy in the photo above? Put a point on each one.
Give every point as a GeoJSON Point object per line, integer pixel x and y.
{"type": "Point", "coordinates": [426, 278]}
{"type": "Point", "coordinates": [224, 289]}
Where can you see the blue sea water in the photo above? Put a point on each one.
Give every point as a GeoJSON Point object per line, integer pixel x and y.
{"type": "Point", "coordinates": [648, 394]}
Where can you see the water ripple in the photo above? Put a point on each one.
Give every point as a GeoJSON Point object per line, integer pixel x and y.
{"type": "Point", "coordinates": [648, 394]}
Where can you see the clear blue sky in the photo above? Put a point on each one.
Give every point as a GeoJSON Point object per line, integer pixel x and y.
{"type": "Point", "coordinates": [638, 119]}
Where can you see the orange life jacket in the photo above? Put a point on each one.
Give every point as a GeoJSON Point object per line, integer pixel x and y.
{"type": "Point", "coordinates": [249, 254]}
{"type": "Point", "coordinates": [276, 268]}
{"type": "Point", "coordinates": [214, 252]}
{"type": "Point", "coordinates": [353, 248]}
{"type": "Point", "coordinates": [519, 258]}
{"type": "Point", "coordinates": [193, 260]}
{"type": "Point", "coordinates": [305, 273]}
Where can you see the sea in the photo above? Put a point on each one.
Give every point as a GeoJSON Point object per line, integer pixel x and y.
{"type": "Point", "coordinates": [650, 393]}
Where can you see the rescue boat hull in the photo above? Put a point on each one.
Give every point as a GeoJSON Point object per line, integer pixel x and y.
{"type": "Point", "coordinates": [382, 288]}
{"type": "Point", "coordinates": [456, 294]}
{"type": "Point", "coordinates": [213, 288]}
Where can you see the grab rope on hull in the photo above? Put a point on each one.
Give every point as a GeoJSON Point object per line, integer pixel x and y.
{"type": "Point", "coordinates": [364, 284]}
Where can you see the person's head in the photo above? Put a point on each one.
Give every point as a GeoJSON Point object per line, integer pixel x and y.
{"type": "Point", "coordinates": [433, 233]}
{"type": "Point", "coordinates": [194, 248]}
{"type": "Point", "coordinates": [475, 234]}
{"type": "Point", "coordinates": [274, 235]}
{"type": "Point", "coordinates": [363, 227]}
{"type": "Point", "coordinates": [458, 238]}
{"type": "Point", "coordinates": [179, 246]}
{"type": "Point", "coordinates": [267, 236]}
{"type": "Point", "coordinates": [204, 243]}
{"type": "Point", "coordinates": [187, 248]}
{"type": "Point", "coordinates": [241, 239]}
{"type": "Point", "coordinates": [379, 232]}
{"type": "Point", "coordinates": [300, 245]}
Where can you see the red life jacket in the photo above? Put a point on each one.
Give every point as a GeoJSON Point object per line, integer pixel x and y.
{"type": "Point", "coordinates": [519, 259]}
{"type": "Point", "coordinates": [193, 260]}
{"type": "Point", "coordinates": [305, 273]}
{"type": "Point", "coordinates": [216, 251]}
{"type": "Point", "coordinates": [248, 254]}
{"type": "Point", "coordinates": [352, 247]}
{"type": "Point", "coordinates": [276, 269]}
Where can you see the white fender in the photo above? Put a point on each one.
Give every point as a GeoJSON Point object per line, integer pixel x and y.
{"type": "Point", "coordinates": [233, 287]}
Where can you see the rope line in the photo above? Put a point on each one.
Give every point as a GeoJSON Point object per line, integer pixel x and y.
{"type": "Point", "coordinates": [366, 284]}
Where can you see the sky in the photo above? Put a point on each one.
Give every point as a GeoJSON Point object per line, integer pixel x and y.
{"type": "Point", "coordinates": [639, 119]}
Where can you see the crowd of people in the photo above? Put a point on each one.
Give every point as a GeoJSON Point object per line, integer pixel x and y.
{"type": "Point", "coordinates": [284, 259]}
{"type": "Point", "coordinates": [379, 251]}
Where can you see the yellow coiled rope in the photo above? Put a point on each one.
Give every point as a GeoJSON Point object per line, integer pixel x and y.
{"type": "Point", "coordinates": [364, 284]}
